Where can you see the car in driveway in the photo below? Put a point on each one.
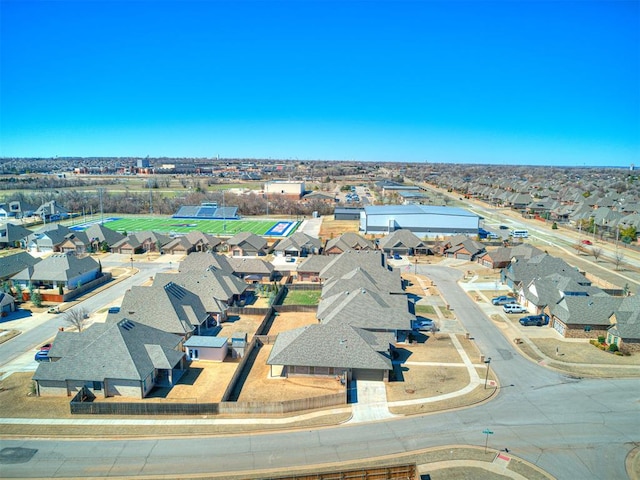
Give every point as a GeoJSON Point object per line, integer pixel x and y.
{"type": "Point", "coordinates": [422, 324]}
{"type": "Point", "coordinates": [514, 308]}
{"type": "Point", "coordinates": [396, 256]}
{"type": "Point", "coordinates": [42, 356]}
{"type": "Point", "coordinates": [534, 320]}
{"type": "Point", "coordinates": [502, 300]}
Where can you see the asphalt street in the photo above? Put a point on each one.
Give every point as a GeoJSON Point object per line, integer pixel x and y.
{"type": "Point", "coordinates": [571, 427]}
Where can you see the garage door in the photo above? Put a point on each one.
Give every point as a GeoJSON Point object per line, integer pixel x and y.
{"type": "Point", "coordinates": [559, 326]}
{"type": "Point", "coordinates": [366, 374]}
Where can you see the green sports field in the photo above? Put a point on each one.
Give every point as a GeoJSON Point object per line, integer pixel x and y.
{"type": "Point", "coordinates": [213, 227]}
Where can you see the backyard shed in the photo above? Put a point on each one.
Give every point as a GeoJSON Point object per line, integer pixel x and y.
{"type": "Point", "coordinates": [206, 348]}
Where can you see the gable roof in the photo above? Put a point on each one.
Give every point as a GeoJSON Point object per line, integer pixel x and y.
{"type": "Point", "coordinates": [585, 310]}
{"type": "Point", "coordinates": [10, 233]}
{"type": "Point", "coordinates": [401, 238]}
{"type": "Point", "coordinates": [349, 241]}
{"type": "Point", "coordinates": [60, 267]}
{"type": "Point", "coordinates": [168, 307]}
{"type": "Point", "coordinates": [103, 234]}
{"type": "Point", "coordinates": [366, 309]}
{"type": "Point", "coordinates": [369, 260]}
{"type": "Point", "coordinates": [12, 264]}
{"type": "Point", "coordinates": [212, 286]}
{"type": "Point", "coordinates": [248, 241]}
{"type": "Point", "coordinates": [337, 346]}
{"type": "Point", "coordinates": [201, 261]}
{"type": "Point", "coordinates": [298, 242]}
{"type": "Point", "coordinates": [122, 350]}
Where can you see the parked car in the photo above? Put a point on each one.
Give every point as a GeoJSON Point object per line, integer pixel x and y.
{"type": "Point", "coordinates": [422, 324]}
{"type": "Point", "coordinates": [53, 310]}
{"type": "Point", "coordinates": [290, 260]}
{"type": "Point", "coordinates": [493, 235]}
{"type": "Point", "coordinates": [502, 300]}
{"type": "Point", "coordinates": [396, 256]}
{"type": "Point", "coordinates": [534, 320]}
{"type": "Point", "coordinates": [45, 347]}
{"type": "Point", "coordinates": [113, 310]}
{"type": "Point", "coordinates": [513, 308]}
{"type": "Point", "coordinates": [504, 227]}
{"type": "Point", "coordinates": [586, 242]}
{"type": "Point", "coordinates": [42, 356]}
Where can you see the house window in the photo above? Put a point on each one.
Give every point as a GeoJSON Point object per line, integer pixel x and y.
{"type": "Point", "coordinates": [587, 328]}
{"type": "Point", "coordinates": [193, 353]}
{"type": "Point", "coordinates": [97, 386]}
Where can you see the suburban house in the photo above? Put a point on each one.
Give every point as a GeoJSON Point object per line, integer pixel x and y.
{"type": "Point", "coordinates": [502, 256]}
{"type": "Point", "coordinates": [214, 349]}
{"type": "Point", "coordinates": [247, 244]}
{"type": "Point", "coordinates": [125, 358]}
{"type": "Point", "coordinates": [101, 237]}
{"type": "Point", "coordinates": [7, 304]}
{"type": "Point", "coordinates": [216, 288]}
{"type": "Point", "coordinates": [521, 271]}
{"type": "Point", "coordinates": [328, 350]}
{"type": "Point", "coordinates": [141, 242]}
{"type": "Point", "coordinates": [309, 269]}
{"type": "Point", "coordinates": [583, 317]}
{"type": "Point", "coordinates": [16, 209]}
{"type": "Point", "coordinates": [47, 239]}
{"type": "Point", "coordinates": [367, 309]}
{"type": "Point", "coordinates": [60, 269]}
{"type": "Point", "coordinates": [12, 264]}
{"type": "Point", "coordinates": [298, 245]}
{"type": "Point", "coordinates": [403, 242]}
{"type": "Point", "coordinates": [75, 242]}
{"type": "Point", "coordinates": [11, 235]}
{"type": "Point", "coordinates": [625, 325]}
{"type": "Point", "coordinates": [372, 261]}
{"type": "Point", "coordinates": [252, 270]}
{"type": "Point", "coordinates": [201, 261]}
{"type": "Point", "coordinates": [346, 242]}
{"type": "Point", "coordinates": [545, 292]}
{"type": "Point", "coordinates": [193, 241]}
{"type": "Point", "coordinates": [51, 212]}
{"type": "Point", "coordinates": [170, 308]}
{"type": "Point", "coordinates": [466, 250]}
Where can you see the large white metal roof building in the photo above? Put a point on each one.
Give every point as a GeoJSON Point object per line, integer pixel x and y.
{"type": "Point", "coordinates": [423, 220]}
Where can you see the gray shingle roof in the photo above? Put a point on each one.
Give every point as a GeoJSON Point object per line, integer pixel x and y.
{"type": "Point", "coordinates": [59, 267]}
{"type": "Point", "coordinates": [338, 346]}
{"type": "Point", "coordinates": [586, 310]}
{"type": "Point", "coordinates": [401, 238]}
{"type": "Point", "coordinates": [12, 264]}
{"type": "Point", "coordinates": [350, 241]}
{"type": "Point", "coordinates": [201, 261]}
{"type": "Point", "coordinates": [123, 350]}
{"type": "Point", "coordinates": [170, 308]}
{"type": "Point", "coordinates": [212, 286]}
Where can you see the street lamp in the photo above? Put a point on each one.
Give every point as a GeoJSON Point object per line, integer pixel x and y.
{"type": "Point", "coordinates": [487, 362]}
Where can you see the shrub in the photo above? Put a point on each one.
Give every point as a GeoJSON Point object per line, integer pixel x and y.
{"type": "Point", "coordinates": [601, 339]}
{"type": "Point", "coordinates": [593, 342]}
{"type": "Point", "coordinates": [613, 347]}
{"type": "Point", "coordinates": [554, 226]}
{"type": "Point", "coordinates": [602, 346]}
{"type": "Point", "coordinates": [619, 353]}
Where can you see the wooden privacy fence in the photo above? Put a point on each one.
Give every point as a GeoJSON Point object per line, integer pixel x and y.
{"type": "Point", "coordinates": [230, 408]}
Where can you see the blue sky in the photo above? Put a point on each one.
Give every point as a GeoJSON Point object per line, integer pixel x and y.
{"type": "Point", "coordinates": [508, 82]}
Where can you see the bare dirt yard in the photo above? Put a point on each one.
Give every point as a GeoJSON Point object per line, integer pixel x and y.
{"type": "Point", "coordinates": [260, 387]}
{"type": "Point", "coordinates": [290, 320]}
{"type": "Point", "coordinates": [331, 228]}
{"type": "Point", "coordinates": [244, 323]}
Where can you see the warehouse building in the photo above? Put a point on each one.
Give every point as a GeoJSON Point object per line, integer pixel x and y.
{"type": "Point", "coordinates": [423, 220]}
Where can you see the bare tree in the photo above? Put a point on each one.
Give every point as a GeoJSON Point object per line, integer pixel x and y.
{"type": "Point", "coordinates": [618, 258]}
{"type": "Point", "coordinates": [440, 374]}
{"type": "Point", "coordinates": [596, 252]}
{"type": "Point", "coordinates": [76, 317]}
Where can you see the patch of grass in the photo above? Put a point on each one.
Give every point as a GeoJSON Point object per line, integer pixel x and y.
{"type": "Point", "coordinates": [425, 310]}
{"type": "Point", "coordinates": [302, 297]}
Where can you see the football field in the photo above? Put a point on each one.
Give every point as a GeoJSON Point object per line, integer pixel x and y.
{"type": "Point", "coordinates": [177, 226]}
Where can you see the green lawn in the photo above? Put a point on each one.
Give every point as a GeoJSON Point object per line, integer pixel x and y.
{"type": "Point", "coordinates": [185, 225]}
{"type": "Point", "coordinates": [302, 297]}
{"type": "Point", "coordinates": [425, 310]}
